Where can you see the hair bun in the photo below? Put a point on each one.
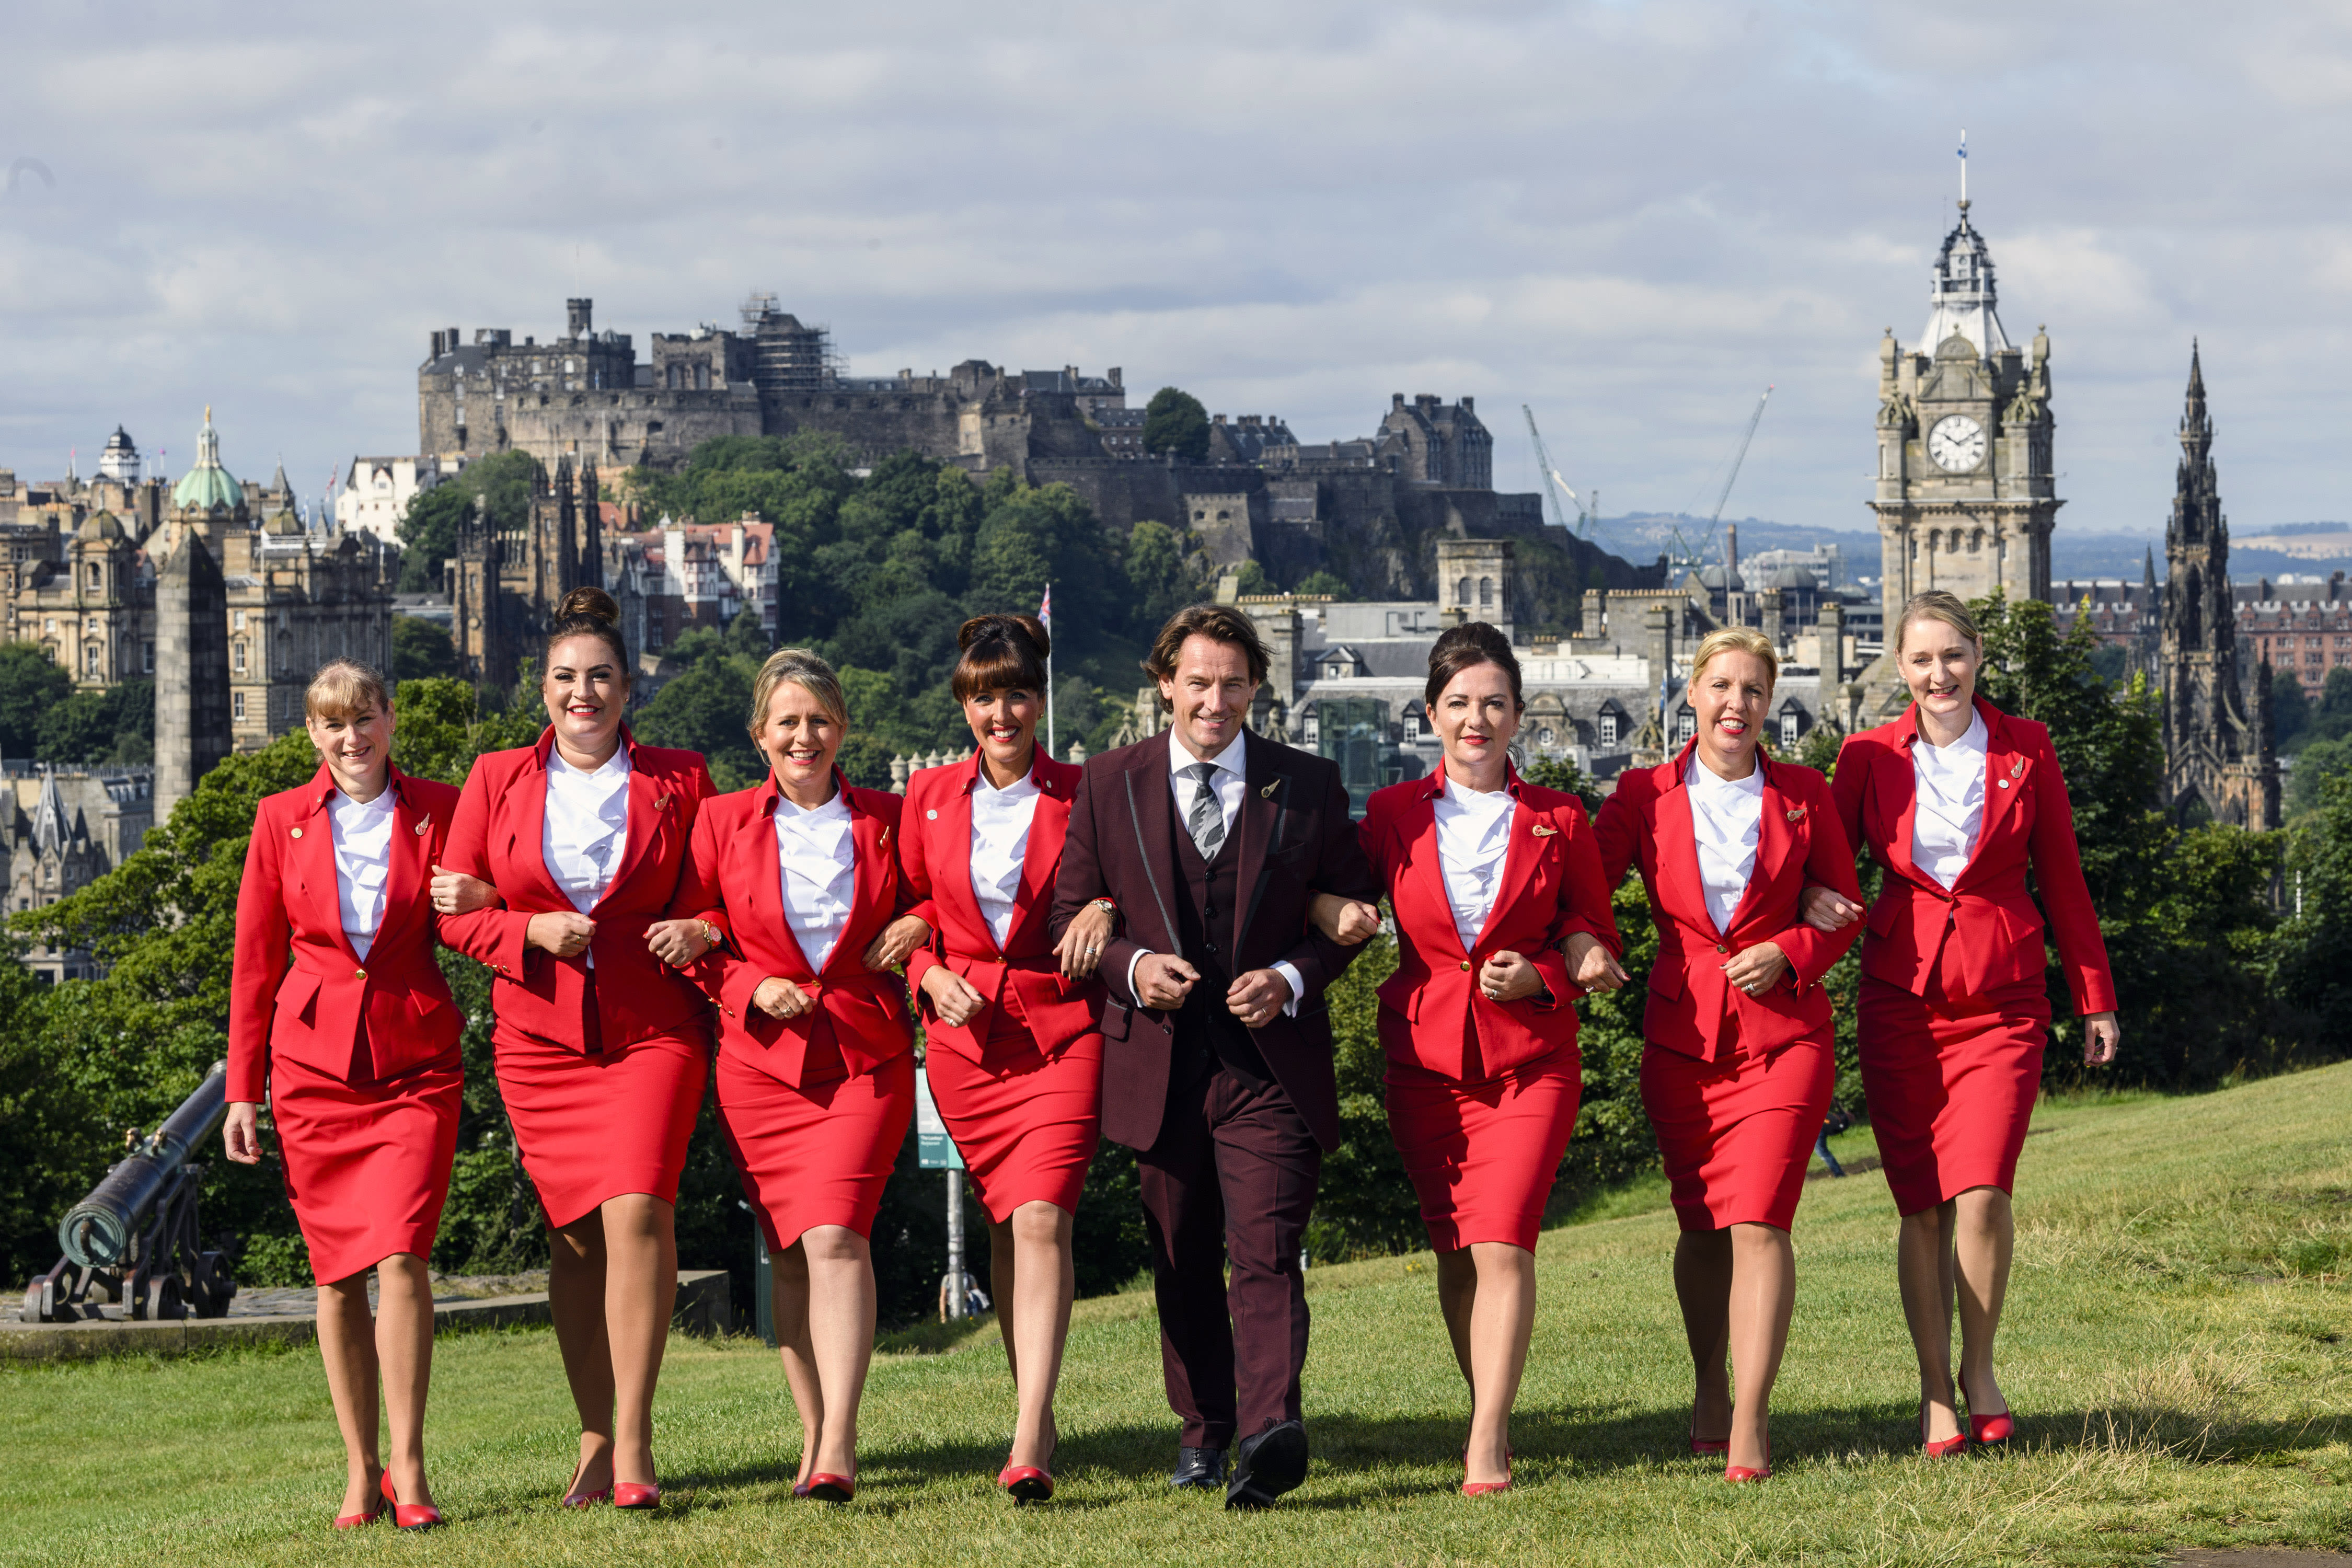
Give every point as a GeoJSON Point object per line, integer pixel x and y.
{"type": "Point", "coordinates": [1478, 635]}
{"type": "Point", "coordinates": [589, 604]}
{"type": "Point", "coordinates": [1025, 628]}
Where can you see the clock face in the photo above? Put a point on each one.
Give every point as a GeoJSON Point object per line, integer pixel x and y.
{"type": "Point", "coordinates": [1957, 444]}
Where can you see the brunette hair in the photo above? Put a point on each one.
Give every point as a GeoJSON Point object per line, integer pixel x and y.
{"type": "Point", "coordinates": [1935, 604]}
{"type": "Point", "coordinates": [1737, 639]}
{"type": "Point", "coordinates": [589, 613]}
{"type": "Point", "coordinates": [806, 670]}
{"type": "Point", "coordinates": [1218, 623]}
{"type": "Point", "coordinates": [344, 688]}
{"type": "Point", "coordinates": [1466, 646]}
{"type": "Point", "coordinates": [1001, 653]}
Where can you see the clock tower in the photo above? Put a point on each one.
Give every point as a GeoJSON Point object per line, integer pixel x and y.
{"type": "Point", "coordinates": [1965, 497]}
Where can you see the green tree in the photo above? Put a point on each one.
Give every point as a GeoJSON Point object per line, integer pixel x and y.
{"type": "Point", "coordinates": [1250, 578]}
{"type": "Point", "coordinates": [1165, 572]}
{"type": "Point", "coordinates": [423, 651]}
{"type": "Point", "coordinates": [30, 685]}
{"type": "Point", "coordinates": [1325, 582]}
{"type": "Point", "coordinates": [113, 727]}
{"type": "Point", "coordinates": [705, 709]}
{"type": "Point", "coordinates": [428, 530]}
{"type": "Point", "coordinates": [1174, 421]}
{"type": "Point", "coordinates": [2290, 710]}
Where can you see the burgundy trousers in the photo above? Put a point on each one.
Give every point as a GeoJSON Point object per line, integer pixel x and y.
{"type": "Point", "coordinates": [1232, 1180]}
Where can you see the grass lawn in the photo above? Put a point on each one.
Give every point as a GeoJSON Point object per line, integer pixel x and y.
{"type": "Point", "coordinates": [2179, 1350]}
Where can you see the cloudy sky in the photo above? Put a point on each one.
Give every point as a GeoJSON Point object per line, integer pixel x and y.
{"type": "Point", "coordinates": [1631, 217]}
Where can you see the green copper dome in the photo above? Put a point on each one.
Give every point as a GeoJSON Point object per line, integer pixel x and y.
{"type": "Point", "coordinates": [207, 485]}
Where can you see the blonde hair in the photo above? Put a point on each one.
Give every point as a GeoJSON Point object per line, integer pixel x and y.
{"type": "Point", "coordinates": [806, 670]}
{"type": "Point", "coordinates": [1935, 604]}
{"type": "Point", "coordinates": [344, 687]}
{"type": "Point", "coordinates": [1737, 639]}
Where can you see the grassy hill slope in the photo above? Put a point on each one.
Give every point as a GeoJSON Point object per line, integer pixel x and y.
{"type": "Point", "coordinates": [2178, 1350]}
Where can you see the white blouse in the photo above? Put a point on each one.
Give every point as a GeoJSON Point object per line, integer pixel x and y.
{"type": "Point", "coordinates": [1473, 841]}
{"type": "Point", "coordinates": [1000, 844]}
{"type": "Point", "coordinates": [816, 869]}
{"type": "Point", "coordinates": [363, 833]}
{"type": "Point", "coordinates": [587, 828]}
{"type": "Point", "coordinates": [1727, 818]}
{"type": "Point", "coordinates": [1950, 796]}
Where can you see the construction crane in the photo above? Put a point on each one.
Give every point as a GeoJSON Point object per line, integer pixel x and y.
{"type": "Point", "coordinates": [1680, 550]}
{"type": "Point", "coordinates": [1552, 478]}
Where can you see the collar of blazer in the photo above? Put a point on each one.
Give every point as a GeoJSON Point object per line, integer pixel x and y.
{"type": "Point", "coordinates": [313, 846]}
{"type": "Point", "coordinates": [1528, 842]}
{"type": "Point", "coordinates": [1037, 860]}
{"type": "Point", "coordinates": [1778, 838]}
{"type": "Point", "coordinates": [2009, 764]}
{"type": "Point", "coordinates": [874, 870]}
{"type": "Point", "coordinates": [652, 796]}
{"type": "Point", "coordinates": [1149, 791]}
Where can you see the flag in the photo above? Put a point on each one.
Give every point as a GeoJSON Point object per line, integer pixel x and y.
{"type": "Point", "coordinates": [1964, 146]}
{"type": "Point", "coordinates": [1045, 608]}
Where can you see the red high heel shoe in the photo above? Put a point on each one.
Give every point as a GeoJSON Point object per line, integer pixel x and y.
{"type": "Point", "coordinates": [1943, 1447]}
{"type": "Point", "coordinates": [636, 1494]}
{"type": "Point", "coordinates": [1989, 1430]}
{"type": "Point", "coordinates": [1703, 1446]}
{"type": "Point", "coordinates": [409, 1515]}
{"type": "Point", "coordinates": [1027, 1483]}
{"type": "Point", "coordinates": [574, 1497]}
{"type": "Point", "coordinates": [373, 1513]}
{"type": "Point", "coordinates": [800, 1488]}
{"type": "Point", "coordinates": [1480, 1489]}
{"type": "Point", "coordinates": [1740, 1474]}
{"type": "Point", "coordinates": [832, 1489]}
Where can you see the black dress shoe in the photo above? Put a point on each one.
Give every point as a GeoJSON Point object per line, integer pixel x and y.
{"type": "Point", "coordinates": [1268, 1465]}
{"type": "Point", "coordinates": [1198, 1468]}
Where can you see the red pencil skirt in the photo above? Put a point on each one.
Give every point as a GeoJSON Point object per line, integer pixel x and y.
{"type": "Point", "coordinates": [818, 1155]}
{"type": "Point", "coordinates": [1483, 1156]}
{"type": "Point", "coordinates": [367, 1165]}
{"type": "Point", "coordinates": [1027, 1124]}
{"type": "Point", "coordinates": [596, 1127]}
{"type": "Point", "coordinates": [1950, 1081]}
{"type": "Point", "coordinates": [1736, 1133]}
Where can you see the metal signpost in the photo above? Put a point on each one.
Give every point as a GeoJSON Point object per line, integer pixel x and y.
{"type": "Point", "coordinates": [960, 1297]}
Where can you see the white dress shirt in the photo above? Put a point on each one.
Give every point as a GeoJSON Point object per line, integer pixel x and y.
{"type": "Point", "coordinates": [1230, 779]}
{"type": "Point", "coordinates": [1000, 845]}
{"type": "Point", "coordinates": [1727, 818]}
{"type": "Point", "coordinates": [587, 828]}
{"type": "Point", "coordinates": [1473, 841]}
{"type": "Point", "coordinates": [1950, 796]}
{"type": "Point", "coordinates": [817, 867]}
{"type": "Point", "coordinates": [363, 833]}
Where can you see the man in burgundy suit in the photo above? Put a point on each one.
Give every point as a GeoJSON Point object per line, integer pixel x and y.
{"type": "Point", "coordinates": [1217, 1055]}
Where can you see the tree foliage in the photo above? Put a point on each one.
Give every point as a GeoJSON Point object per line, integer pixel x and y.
{"type": "Point", "coordinates": [423, 651]}
{"type": "Point", "coordinates": [31, 684]}
{"type": "Point", "coordinates": [1174, 421]}
{"type": "Point", "coordinates": [428, 528]}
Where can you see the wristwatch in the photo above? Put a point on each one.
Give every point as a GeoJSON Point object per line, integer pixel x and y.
{"type": "Point", "coordinates": [1106, 905]}
{"type": "Point", "coordinates": [710, 933]}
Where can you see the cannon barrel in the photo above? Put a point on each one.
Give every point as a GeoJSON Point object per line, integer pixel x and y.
{"type": "Point", "coordinates": [96, 1231]}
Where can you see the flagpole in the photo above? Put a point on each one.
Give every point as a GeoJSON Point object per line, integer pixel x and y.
{"type": "Point", "coordinates": [1049, 672]}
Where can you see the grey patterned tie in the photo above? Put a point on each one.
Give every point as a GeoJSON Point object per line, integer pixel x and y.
{"type": "Point", "coordinates": [1206, 821]}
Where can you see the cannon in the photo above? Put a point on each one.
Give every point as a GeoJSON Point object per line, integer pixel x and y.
{"type": "Point", "coordinates": [134, 1240]}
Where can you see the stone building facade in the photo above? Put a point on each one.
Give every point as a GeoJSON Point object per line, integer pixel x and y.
{"type": "Point", "coordinates": [62, 830]}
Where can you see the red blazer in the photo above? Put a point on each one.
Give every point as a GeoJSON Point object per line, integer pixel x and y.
{"type": "Point", "coordinates": [935, 853]}
{"type": "Point", "coordinates": [2028, 821]}
{"type": "Point", "coordinates": [498, 836]}
{"type": "Point", "coordinates": [298, 988]}
{"type": "Point", "coordinates": [732, 880]}
{"type": "Point", "coordinates": [1799, 841]}
{"type": "Point", "coordinates": [1433, 1015]}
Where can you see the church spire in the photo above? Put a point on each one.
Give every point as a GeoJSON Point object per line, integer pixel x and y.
{"type": "Point", "coordinates": [2196, 500]}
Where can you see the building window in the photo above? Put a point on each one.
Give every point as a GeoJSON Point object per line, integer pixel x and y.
{"type": "Point", "coordinates": [1608, 730]}
{"type": "Point", "coordinates": [236, 620]}
{"type": "Point", "coordinates": [1486, 592]}
{"type": "Point", "coordinates": [236, 660]}
{"type": "Point", "coordinates": [93, 663]}
{"type": "Point", "coordinates": [236, 706]}
{"type": "Point", "coordinates": [1789, 728]}
{"type": "Point", "coordinates": [1685, 725]}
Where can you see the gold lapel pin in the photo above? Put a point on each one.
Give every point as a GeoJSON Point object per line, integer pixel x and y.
{"type": "Point", "coordinates": [1542, 830]}
{"type": "Point", "coordinates": [1797, 814]}
{"type": "Point", "coordinates": [423, 826]}
{"type": "Point", "coordinates": [662, 804]}
{"type": "Point", "coordinates": [1268, 793]}
{"type": "Point", "coordinates": [2017, 769]}
{"type": "Point", "coordinates": [296, 832]}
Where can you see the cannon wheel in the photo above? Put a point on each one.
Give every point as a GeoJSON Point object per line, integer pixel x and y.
{"type": "Point", "coordinates": [164, 1303]}
{"type": "Point", "coordinates": [215, 1288]}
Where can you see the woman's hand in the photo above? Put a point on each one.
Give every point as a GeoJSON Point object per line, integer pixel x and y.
{"type": "Point", "coordinates": [900, 938]}
{"type": "Point", "coordinates": [565, 935]}
{"type": "Point", "coordinates": [1757, 969]}
{"type": "Point", "coordinates": [1080, 949]}
{"type": "Point", "coordinates": [1590, 964]}
{"type": "Point", "coordinates": [678, 942]}
{"type": "Point", "coordinates": [953, 998]}
{"type": "Point", "coordinates": [1509, 977]}
{"type": "Point", "coordinates": [1350, 922]}
{"type": "Point", "coordinates": [1826, 909]}
{"type": "Point", "coordinates": [780, 998]}
{"type": "Point", "coordinates": [456, 893]}
{"type": "Point", "coordinates": [241, 1132]}
{"type": "Point", "coordinates": [2102, 1037]}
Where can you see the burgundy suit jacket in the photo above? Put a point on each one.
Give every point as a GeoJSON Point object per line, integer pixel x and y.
{"type": "Point", "coordinates": [2028, 821]}
{"type": "Point", "coordinates": [934, 852]}
{"type": "Point", "coordinates": [1799, 842]}
{"type": "Point", "coordinates": [1294, 837]}
{"type": "Point", "coordinates": [299, 989]}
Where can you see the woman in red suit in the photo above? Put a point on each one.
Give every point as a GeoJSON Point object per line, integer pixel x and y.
{"type": "Point", "coordinates": [1489, 877]}
{"type": "Point", "coordinates": [1010, 1044]}
{"type": "Point", "coordinates": [1740, 1057]}
{"type": "Point", "coordinates": [600, 1046]}
{"type": "Point", "coordinates": [339, 1012]}
{"type": "Point", "coordinates": [817, 1079]}
{"type": "Point", "coordinates": [1957, 801]}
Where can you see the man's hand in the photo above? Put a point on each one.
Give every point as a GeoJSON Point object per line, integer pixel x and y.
{"type": "Point", "coordinates": [1350, 922]}
{"type": "Point", "coordinates": [953, 998]}
{"type": "Point", "coordinates": [1826, 909]}
{"type": "Point", "coordinates": [1258, 997]}
{"type": "Point", "coordinates": [1590, 964]}
{"type": "Point", "coordinates": [1161, 982]}
{"type": "Point", "coordinates": [780, 998]}
{"type": "Point", "coordinates": [241, 1132]}
{"type": "Point", "coordinates": [566, 934]}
